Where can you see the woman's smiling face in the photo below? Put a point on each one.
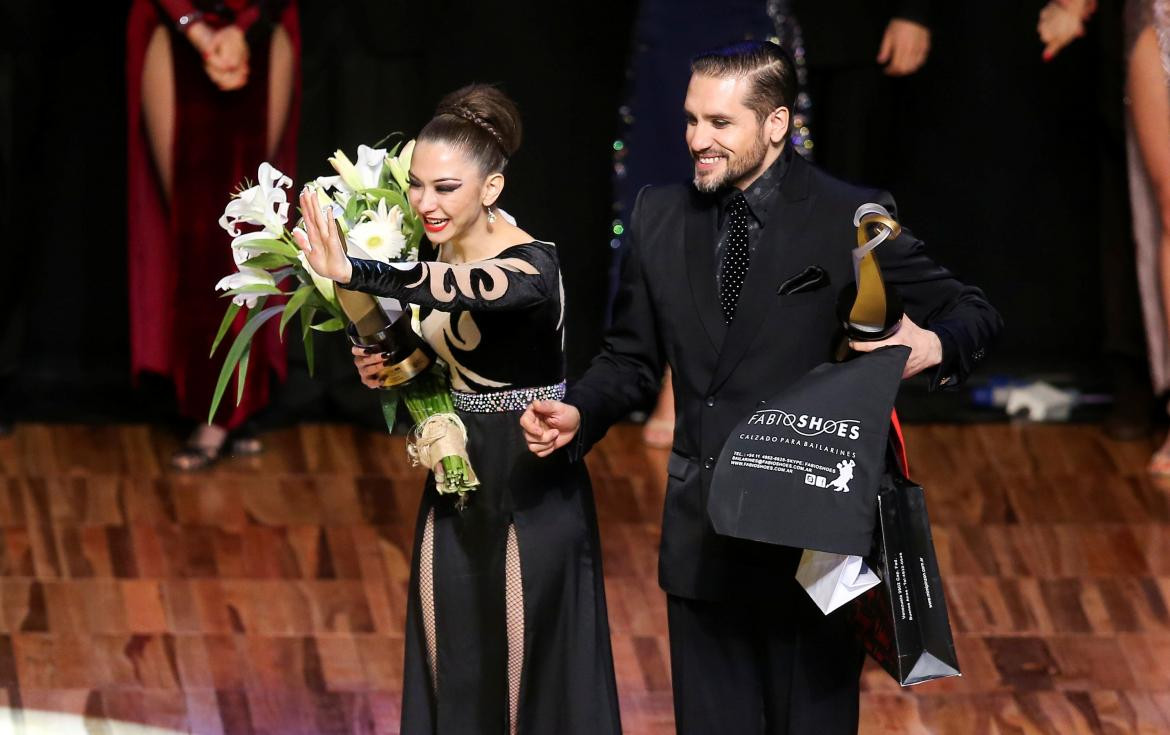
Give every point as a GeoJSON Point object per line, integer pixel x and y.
{"type": "Point", "coordinates": [446, 190]}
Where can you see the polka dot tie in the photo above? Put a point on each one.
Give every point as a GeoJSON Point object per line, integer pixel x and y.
{"type": "Point", "coordinates": [736, 256]}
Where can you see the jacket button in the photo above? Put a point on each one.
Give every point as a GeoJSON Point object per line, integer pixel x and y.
{"type": "Point", "coordinates": [709, 463]}
{"type": "Point", "coordinates": [761, 404]}
{"type": "Point", "coordinates": [710, 401]}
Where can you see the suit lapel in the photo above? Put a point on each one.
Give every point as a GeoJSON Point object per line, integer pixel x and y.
{"type": "Point", "coordinates": [701, 231]}
{"type": "Point", "coordinates": [779, 253]}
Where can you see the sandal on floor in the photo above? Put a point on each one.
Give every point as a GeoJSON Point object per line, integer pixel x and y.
{"type": "Point", "coordinates": [246, 446]}
{"type": "Point", "coordinates": [658, 433]}
{"type": "Point", "coordinates": [193, 458]}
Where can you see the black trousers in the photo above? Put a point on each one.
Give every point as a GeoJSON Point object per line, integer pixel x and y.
{"type": "Point", "coordinates": [772, 667]}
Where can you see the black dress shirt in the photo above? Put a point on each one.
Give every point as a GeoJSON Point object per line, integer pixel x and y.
{"type": "Point", "coordinates": [759, 197]}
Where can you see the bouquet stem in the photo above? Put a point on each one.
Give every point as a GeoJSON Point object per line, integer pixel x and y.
{"type": "Point", "coordinates": [439, 434]}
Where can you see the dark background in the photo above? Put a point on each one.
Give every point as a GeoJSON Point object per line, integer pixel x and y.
{"type": "Point", "coordinates": [1012, 169]}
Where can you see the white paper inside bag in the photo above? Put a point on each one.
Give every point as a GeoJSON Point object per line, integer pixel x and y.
{"type": "Point", "coordinates": [831, 580]}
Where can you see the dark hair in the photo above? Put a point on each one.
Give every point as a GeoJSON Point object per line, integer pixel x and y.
{"type": "Point", "coordinates": [481, 120]}
{"type": "Point", "coordinates": [768, 67]}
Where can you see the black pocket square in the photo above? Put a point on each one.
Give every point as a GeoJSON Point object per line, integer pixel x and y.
{"type": "Point", "coordinates": [811, 278]}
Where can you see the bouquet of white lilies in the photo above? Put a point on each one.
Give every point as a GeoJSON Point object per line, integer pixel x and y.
{"type": "Point", "coordinates": [368, 202]}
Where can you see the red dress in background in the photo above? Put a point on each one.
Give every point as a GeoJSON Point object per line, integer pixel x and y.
{"type": "Point", "coordinates": [177, 254]}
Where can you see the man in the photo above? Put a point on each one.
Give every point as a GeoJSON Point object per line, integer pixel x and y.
{"type": "Point", "coordinates": [715, 286]}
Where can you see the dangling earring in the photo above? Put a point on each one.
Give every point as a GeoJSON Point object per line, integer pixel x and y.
{"type": "Point", "coordinates": [491, 216]}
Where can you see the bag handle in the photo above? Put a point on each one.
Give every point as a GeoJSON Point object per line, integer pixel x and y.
{"type": "Point", "coordinates": [898, 444]}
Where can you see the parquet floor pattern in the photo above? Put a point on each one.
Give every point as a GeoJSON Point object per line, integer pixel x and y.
{"type": "Point", "coordinates": [268, 595]}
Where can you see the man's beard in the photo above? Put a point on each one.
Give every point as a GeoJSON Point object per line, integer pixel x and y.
{"type": "Point", "coordinates": [737, 167]}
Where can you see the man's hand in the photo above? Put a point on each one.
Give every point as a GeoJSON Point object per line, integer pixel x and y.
{"type": "Point", "coordinates": [549, 425]}
{"type": "Point", "coordinates": [904, 47]}
{"type": "Point", "coordinates": [925, 347]}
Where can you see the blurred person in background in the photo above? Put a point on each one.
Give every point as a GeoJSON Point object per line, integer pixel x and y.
{"type": "Point", "coordinates": [212, 91]}
{"type": "Point", "coordinates": [1148, 50]}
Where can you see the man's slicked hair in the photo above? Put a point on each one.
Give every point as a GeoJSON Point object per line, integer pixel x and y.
{"type": "Point", "coordinates": [768, 68]}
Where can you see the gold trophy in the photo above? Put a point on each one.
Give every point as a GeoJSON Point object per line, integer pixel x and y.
{"type": "Point", "coordinates": [870, 309]}
{"type": "Point", "coordinates": [407, 354]}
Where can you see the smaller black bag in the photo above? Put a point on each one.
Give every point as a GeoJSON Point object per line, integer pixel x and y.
{"type": "Point", "coordinates": [903, 622]}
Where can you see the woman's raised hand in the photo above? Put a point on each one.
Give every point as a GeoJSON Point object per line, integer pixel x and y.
{"type": "Point", "coordinates": [320, 241]}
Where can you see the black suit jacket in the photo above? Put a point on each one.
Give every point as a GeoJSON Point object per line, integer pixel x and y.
{"type": "Point", "coordinates": [667, 312]}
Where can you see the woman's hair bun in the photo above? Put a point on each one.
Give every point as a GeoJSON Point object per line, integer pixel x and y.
{"type": "Point", "coordinates": [480, 118]}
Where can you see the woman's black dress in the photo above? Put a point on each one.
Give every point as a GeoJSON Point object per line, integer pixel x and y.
{"type": "Point", "coordinates": [522, 561]}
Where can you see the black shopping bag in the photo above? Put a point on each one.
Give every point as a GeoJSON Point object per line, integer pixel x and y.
{"type": "Point", "coordinates": [903, 622]}
{"type": "Point", "coordinates": [803, 469]}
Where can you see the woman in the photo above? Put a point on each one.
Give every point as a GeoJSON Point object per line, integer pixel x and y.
{"type": "Point", "coordinates": [1148, 94]}
{"type": "Point", "coordinates": [507, 628]}
{"type": "Point", "coordinates": [212, 92]}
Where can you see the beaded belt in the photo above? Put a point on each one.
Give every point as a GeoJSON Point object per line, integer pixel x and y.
{"type": "Point", "coordinates": [506, 400]}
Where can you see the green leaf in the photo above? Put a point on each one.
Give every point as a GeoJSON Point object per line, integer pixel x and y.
{"type": "Point", "coordinates": [330, 325]}
{"type": "Point", "coordinates": [229, 316]}
{"type": "Point", "coordinates": [242, 373]}
{"type": "Point", "coordinates": [243, 340]}
{"type": "Point", "coordinates": [283, 273]}
{"type": "Point", "coordinates": [392, 197]}
{"type": "Point", "coordinates": [268, 261]}
{"type": "Point", "coordinates": [293, 306]}
{"type": "Point", "coordinates": [278, 247]}
{"type": "Point", "coordinates": [261, 288]}
{"type": "Point", "coordinates": [307, 315]}
{"type": "Point", "coordinates": [354, 206]}
{"type": "Point", "coordinates": [332, 308]}
{"type": "Point", "coordinates": [389, 408]}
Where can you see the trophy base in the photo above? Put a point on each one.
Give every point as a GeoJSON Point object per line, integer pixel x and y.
{"type": "Point", "coordinates": [880, 326]}
{"type": "Point", "coordinates": [407, 354]}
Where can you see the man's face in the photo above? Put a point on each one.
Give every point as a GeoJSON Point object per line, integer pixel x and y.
{"type": "Point", "coordinates": [727, 141]}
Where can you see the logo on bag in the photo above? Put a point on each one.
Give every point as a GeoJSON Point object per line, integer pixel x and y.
{"type": "Point", "coordinates": [844, 475]}
{"type": "Point", "coordinates": [807, 425]}
{"type": "Point", "coordinates": [840, 483]}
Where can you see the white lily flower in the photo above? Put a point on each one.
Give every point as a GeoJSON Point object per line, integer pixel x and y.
{"type": "Point", "coordinates": [265, 204]}
{"type": "Point", "coordinates": [323, 198]}
{"type": "Point", "coordinates": [369, 165]}
{"type": "Point", "coordinates": [365, 173]}
{"type": "Point", "coordinates": [245, 277]}
{"type": "Point", "coordinates": [380, 236]}
{"type": "Point", "coordinates": [345, 170]}
{"type": "Point", "coordinates": [400, 165]}
{"type": "Point", "coordinates": [324, 285]}
{"type": "Point", "coordinates": [340, 192]}
{"type": "Point", "coordinates": [240, 250]}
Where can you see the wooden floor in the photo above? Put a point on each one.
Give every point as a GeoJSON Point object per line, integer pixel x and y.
{"type": "Point", "coordinates": [267, 596]}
